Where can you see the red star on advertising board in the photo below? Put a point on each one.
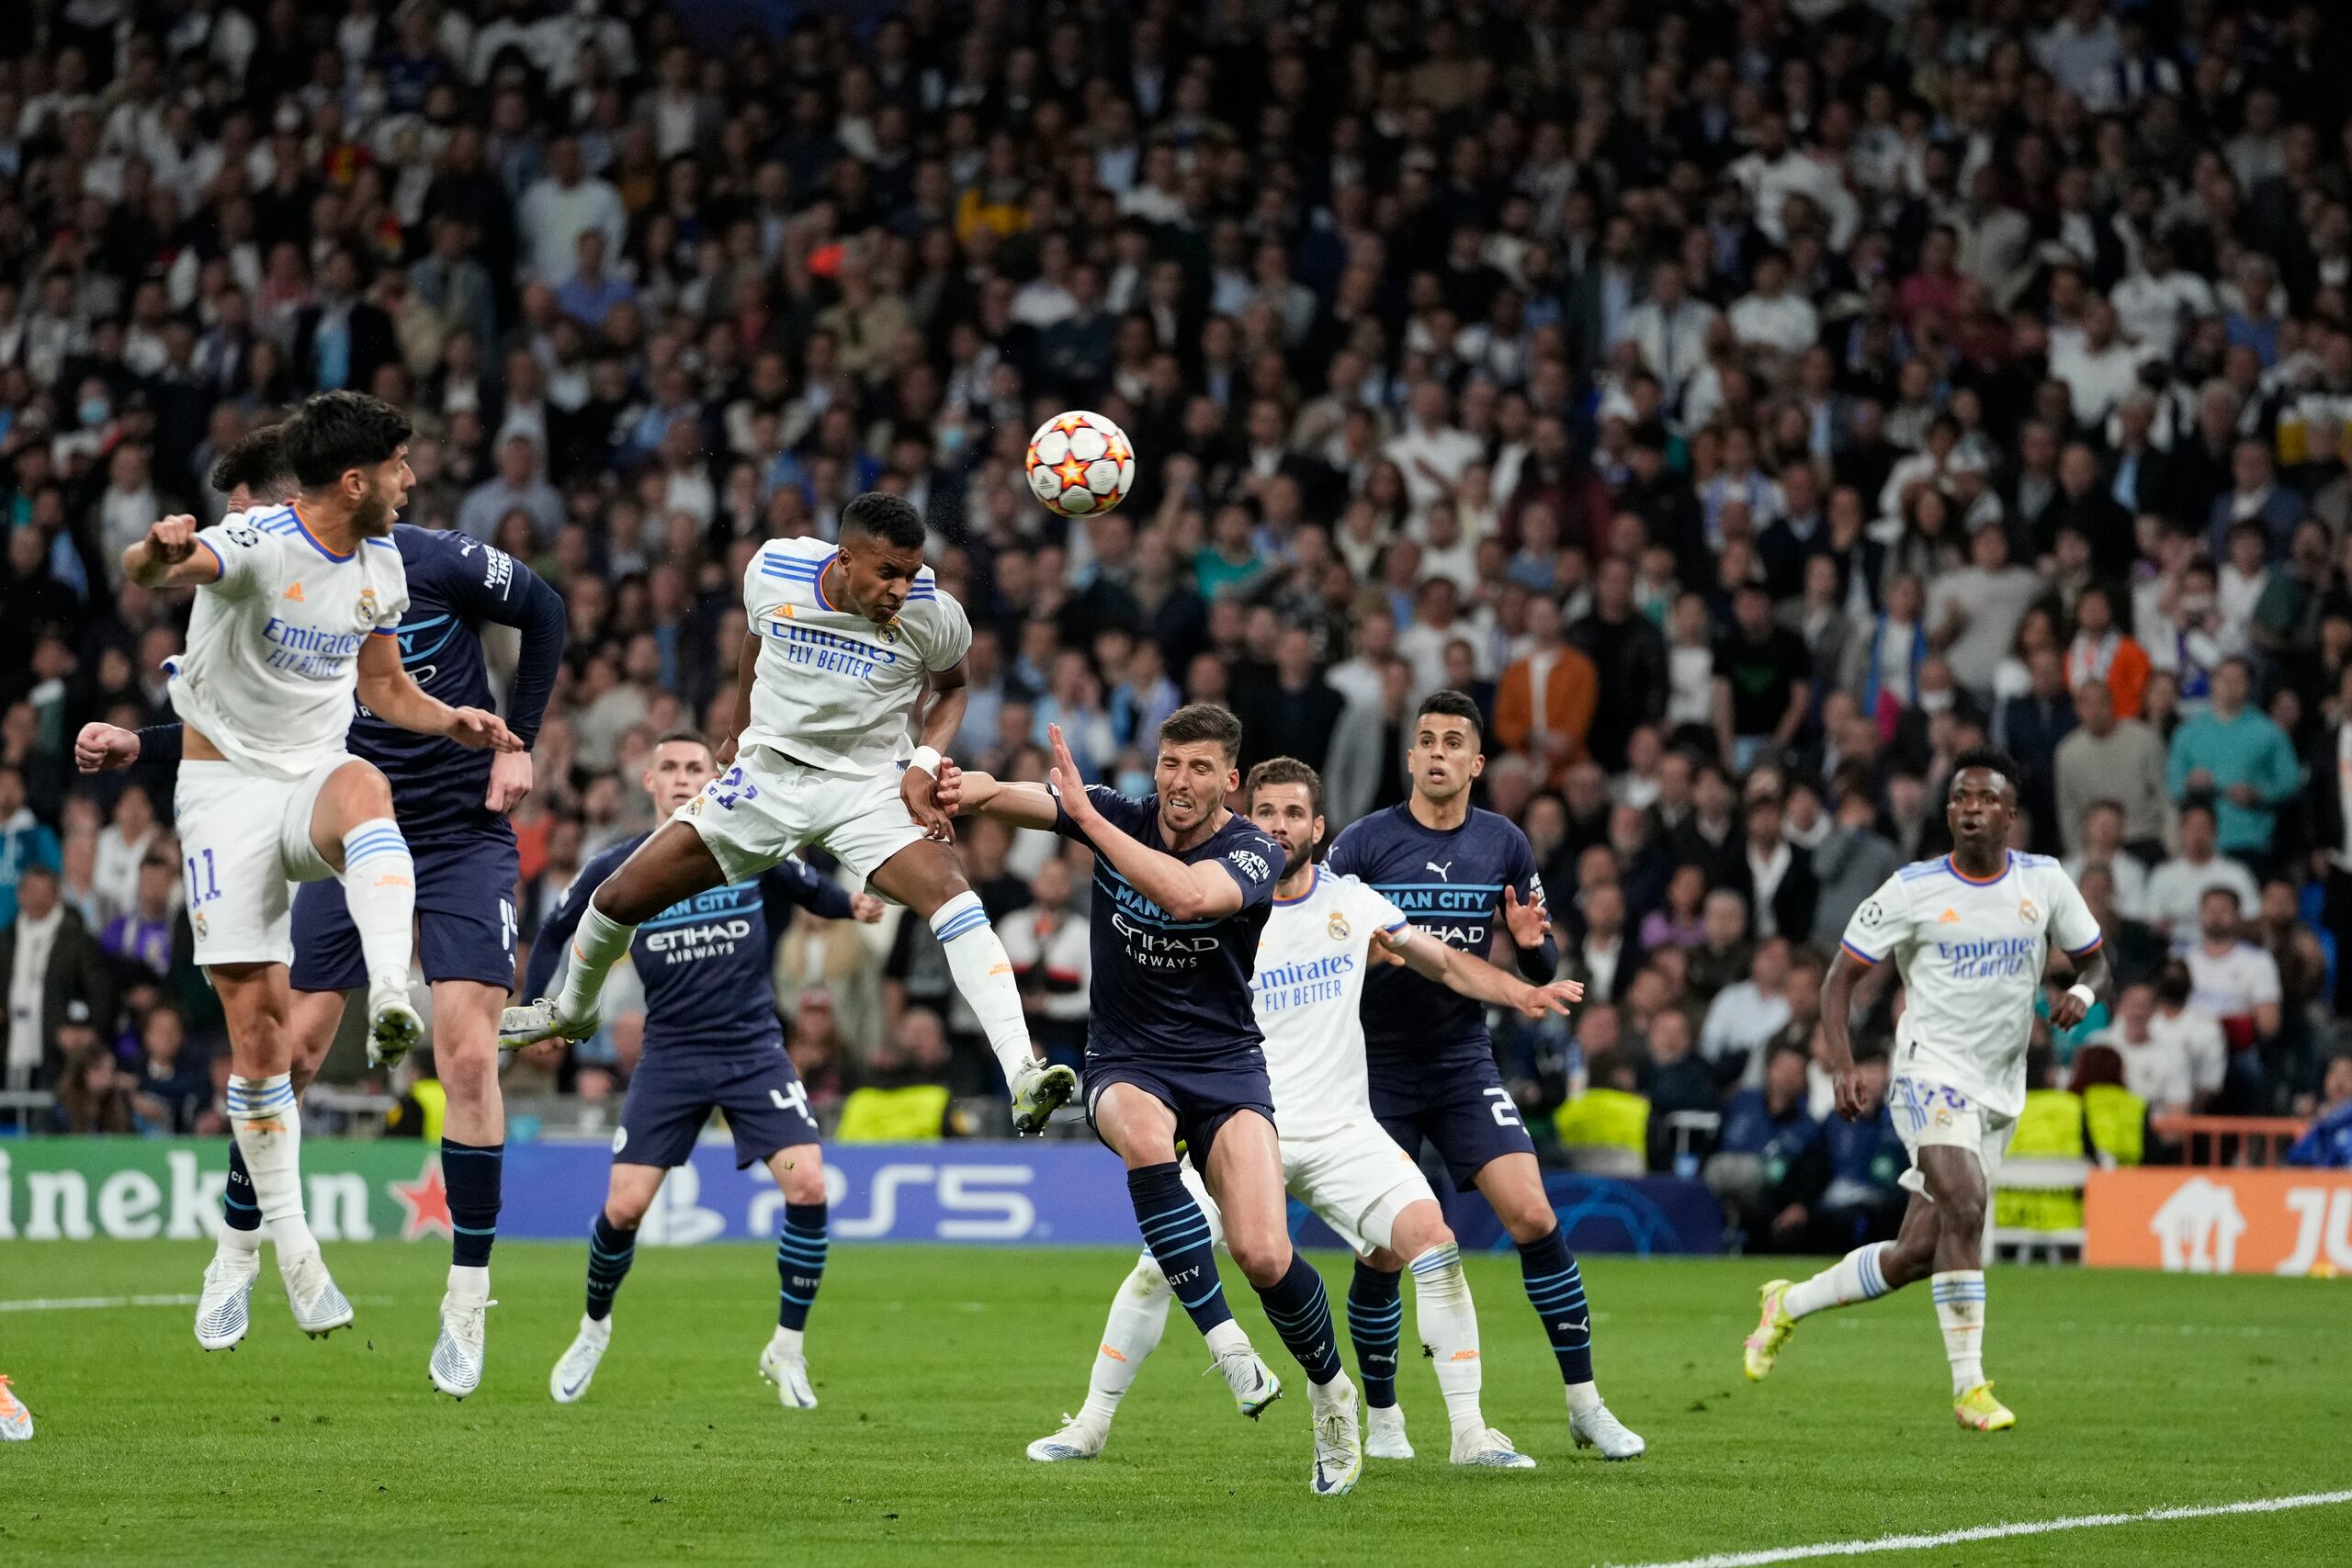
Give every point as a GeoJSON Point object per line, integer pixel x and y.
{"type": "Point", "coordinates": [426, 1201]}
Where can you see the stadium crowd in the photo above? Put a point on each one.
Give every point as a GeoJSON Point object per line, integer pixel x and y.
{"type": "Point", "coordinates": [1750, 405]}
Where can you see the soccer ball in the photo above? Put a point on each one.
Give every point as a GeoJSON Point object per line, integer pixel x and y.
{"type": "Point", "coordinates": [1080, 463]}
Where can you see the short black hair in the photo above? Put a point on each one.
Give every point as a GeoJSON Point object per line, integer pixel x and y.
{"type": "Point", "coordinates": [1452, 704]}
{"type": "Point", "coordinates": [1284, 771]}
{"type": "Point", "coordinates": [337, 432]}
{"type": "Point", "coordinates": [889, 518]}
{"type": "Point", "coordinates": [1994, 758]}
{"type": "Point", "coordinates": [1203, 721]}
{"type": "Point", "coordinates": [256, 462]}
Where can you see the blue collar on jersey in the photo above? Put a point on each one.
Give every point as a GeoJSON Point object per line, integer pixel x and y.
{"type": "Point", "coordinates": [295, 507]}
{"type": "Point", "coordinates": [2008, 859]}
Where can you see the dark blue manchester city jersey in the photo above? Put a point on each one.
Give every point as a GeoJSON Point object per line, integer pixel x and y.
{"type": "Point", "coordinates": [1167, 989]}
{"type": "Point", "coordinates": [704, 961]}
{"type": "Point", "coordinates": [1448, 882]}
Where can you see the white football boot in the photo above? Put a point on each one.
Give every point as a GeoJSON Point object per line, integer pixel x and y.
{"type": "Point", "coordinates": [534, 1023]}
{"type": "Point", "coordinates": [319, 1307]}
{"type": "Point", "coordinates": [458, 1354]}
{"type": "Point", "coordinates": [1252, 1382]}
{"type": "Point", "coordinates": [1039, 1089]}
{"type": "Point", "coordinates": [790, 1375]}
{"type": "Point", "coordinates": [1338, 1452]}
{"type": "Point", "coordinates": [224, 1309]}
{"type": "Point", "coordinates": [1383, 1433]}
{"type": "Point", "coordinates": [1596, 1428]}
{"type": "Point", "coordinates": [1489, 1449]}
{"type": "Point", "coordinates": [393, 1027]}
{"type": "Point", "coordinates": [577, 1367]}
{"type": "Point", "coordinates": [1077, 1439]}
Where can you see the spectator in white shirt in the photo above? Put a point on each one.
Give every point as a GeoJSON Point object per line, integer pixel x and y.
{"type": "Point", "coordinates": [1776, 171]}
{"type": "Point", "coordinates": [2236, 982]}
{"type": "Point", "coordinates": [2082, 50]}
{"type": "Point", "coordinates": [1671, 329]}
{"type": "Point", "coordinates": [1973, 610]}
{"type": "Point", "coordinates": [2159, 303]}
{"type": "Point", "coordinates": [1771, 316]}
{"type": "Point", "coordinates": [1747, 1014]}
{"type": "Point", "coordinates": [1431, 452]}
{"type": "Point", "coordinates": [2177, 890]}
{"type": "Point", "coordinates": [2102, 839]}
{"type": "Point", "coordinates": [2155, 1064]}
{"type": "Point", "coordinates": [2099, 370]}
{"type": "Point", "coordinates": [563, 204]}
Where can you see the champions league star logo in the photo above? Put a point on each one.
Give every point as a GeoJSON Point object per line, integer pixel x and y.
{"type": "Point", "coordinates": [1338, 925]}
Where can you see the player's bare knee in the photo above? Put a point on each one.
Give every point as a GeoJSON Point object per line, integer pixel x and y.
{"type": "Point", "coordinates": [468, 1068]}
{"type": "Point", "coordinates": [626, 1211]}
{"type": "Point", "coordinates": [1421, 1227]}
{"type": "Point", "coordinates": [803, 1181]}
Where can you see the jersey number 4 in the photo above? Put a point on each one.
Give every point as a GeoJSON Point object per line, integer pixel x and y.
{"type": "Point", "coordinates": [795, 1099]}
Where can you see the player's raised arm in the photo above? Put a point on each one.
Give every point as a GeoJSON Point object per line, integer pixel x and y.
{"type": "Point", "coordinates": [171, 556]}
{"type": "Point", "coordinates": [919, 787]}
{"type": "Point", "coordinates": [386, 691]}
{"type": "Point", "coordinates": [1205, 890]}
{"type": "Point", "coordinates": [1477, 979]}
{"type": "Point", "coordinates": [505, 591]}
{"type": "Point", "coordinates": [1012, 803]}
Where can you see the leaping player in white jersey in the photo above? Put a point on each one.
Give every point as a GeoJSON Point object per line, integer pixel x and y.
{"type": "Point", "coordinates": [1324, 933]}
{"type": "Point", "coordinates": [843, 644]}
{"type": "Point", "coordinates": [296, 609]}
{"type": "Point", "coordinates": [1971, 933]}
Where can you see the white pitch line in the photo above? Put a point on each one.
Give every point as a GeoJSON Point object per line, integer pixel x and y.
{"type": "Point", "coordinates": [90, 1304]}
{"type": "Point", "coordinates": [1998, 1532]}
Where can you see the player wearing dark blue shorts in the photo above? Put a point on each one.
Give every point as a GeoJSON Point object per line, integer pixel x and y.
{"type": "Point", "coordinates": [712, 1042]}
{"type": "Point", "coordinates": [1457, 872]}
{"type": "Point", "coordinates": [450, 804]}
{"type": "Point", "coordinates": [1174, 1060]}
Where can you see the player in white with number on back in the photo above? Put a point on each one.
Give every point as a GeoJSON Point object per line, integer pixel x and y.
{"type": "Point", "coordinates": [296, 610]}
{"type": "Point", "coordinates": [1971, 933]}
{"type": "Point", "coordinates": [844, 643]}
{"type": "Point", "coordinates": [1323, 935]}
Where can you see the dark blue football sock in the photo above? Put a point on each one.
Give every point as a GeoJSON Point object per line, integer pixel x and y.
{"type": "Point", "coordinates": [471, 1173]}
{"type": "Point", "coordinates": [1178, 1234]}
{"type": "Point", "coordinates": [1376, 1321]}
{"type": "Point", "coordinates": [800, 1263]}
{"type": "Point", "coordinates": [1555, 1288]}
{"type": "Point", "coordinates": [610, 1252]}
{"type": "Point", "coordinates": [238, 1210]}
{"type": "Point", "coordinates": [1301, 1314]}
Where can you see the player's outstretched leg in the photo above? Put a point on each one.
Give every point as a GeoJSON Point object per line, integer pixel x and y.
{"type": "Point", "coordinates": [1860, 1276]}
{"type": "Point", "coordinates": [1448, 1322]}
{"type": "Point", "coordinates": [612, 1247]}
{"type": "Point", "coordinates": [353, 814]}
{"type": "Point", "coordinates": [800, 1250]}
{"type": "Point", "coordinates": [673, 863]}
{"type": "Point", "coordinates": [1375, 1324]}
{"type": "Point", "coordinates": [927, 880]}
{"type": "Point", "coordinates": [1513, 1184]}
{"type": "Point", "coordinates": [473, 1162]}
{"type": "Point", "coordinates": [1138, 1316]}
{"type": "Point", "coordinates": [267, 1124]}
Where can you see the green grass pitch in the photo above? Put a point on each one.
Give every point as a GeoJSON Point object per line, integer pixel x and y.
{"type": "Point", "coordinates": [934, 1366]}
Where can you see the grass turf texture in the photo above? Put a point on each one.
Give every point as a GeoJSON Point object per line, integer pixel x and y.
{"type": "Point", "coordinates": [936, 1365]}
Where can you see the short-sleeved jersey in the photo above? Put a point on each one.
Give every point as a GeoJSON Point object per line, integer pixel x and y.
{"type": "Point", "coordinates": [1972, 955]}
{"type": "Point", "coordinates": [832, 688]}
{"type": "Point", "coordinates": [1312, 960]}
{"type": "Point", "coordinates": [1449, 882]}
{"type": "Point", "coordinates": [273, 643]}
{"type": "Point", "coordinates": [704, 961]}
{"type": "Point", "coordinates": [455, 583]}
{"type": "Point", "coordinates": [1166, 989]}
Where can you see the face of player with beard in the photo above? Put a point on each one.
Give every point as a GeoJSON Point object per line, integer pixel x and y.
{"type": "Point", "coordinates": [1443, 757]}
{"type": "Point", "coordinates": [1192, 778]}
{"type": "Point", "coordinates": [1286, 811]}
{"type": "Point", "coordinates": [1981, 804]}
{"type": "Point", "coordinates": [676, 774]}
{"type": "Point", "coordinates": [388, 486]}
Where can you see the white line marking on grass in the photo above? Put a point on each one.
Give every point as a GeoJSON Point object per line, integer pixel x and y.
{"type": "Point", "coordinates": [1999, 1532]}
{"type": "Point", "coordinates": [103, 1303]}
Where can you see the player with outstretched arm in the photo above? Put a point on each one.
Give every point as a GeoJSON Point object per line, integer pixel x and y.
{"type": "Point", "coordinates": [451, 805]}
{"type": "Point", "coordinates": [1183, 887]}
{"type": "Point", "coordinates": [845, 645]}
{"type": "Point", "coordinates": [297, 607]}
{"type": "Point", "coordinates": [1971, 934]}
{"type": "Point", "coordinates": [712, 1042]}
{"type": "Point", "coordinates": [1325, 934]}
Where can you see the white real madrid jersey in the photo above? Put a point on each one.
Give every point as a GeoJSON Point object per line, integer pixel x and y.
{"type": "Point", "coordinates": [832, 688]}
{"type": "Point", "coordinates": [273, 644]}
{"type": "Point", "coordinates": [1972, 955]}
{"type": "Point", "coordinates": [1307, 993]}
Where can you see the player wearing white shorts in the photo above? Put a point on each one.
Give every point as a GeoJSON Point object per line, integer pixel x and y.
{"type": "Point", "coordinates": [1971, 933]}
{"type": "Point", "coordinates": [1323, 935]}
{"type": "Point", "coordinates": [297, 608]}
{"type": "Point", "coordinates": [843, 642]}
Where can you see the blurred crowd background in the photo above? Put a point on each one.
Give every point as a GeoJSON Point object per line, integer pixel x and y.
{"type": "Point", "coordinates": [1749, 404]}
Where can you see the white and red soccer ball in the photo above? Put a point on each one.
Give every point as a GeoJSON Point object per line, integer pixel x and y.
{"type": "Point", "coordinates": [1080, 463]}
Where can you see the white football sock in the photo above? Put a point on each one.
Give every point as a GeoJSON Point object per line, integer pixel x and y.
{"type": "Point", "coordinates": [596, 945]}
{"type": "Point", "coordinates": [1960, 1311]}
{"type": "Point", "coordinates": [380, 889]}
{"type": "Point", "coordinates": [983, 973]}
{"type": "Point", "coordinates": [469, 1281]}
{"type": "Point", "coordinates": [1138, 1316]}
{"type": "Point", "coordinates": [1227, 1336]}
{"type": "Point", "coordinates": [787, 1342]}
{"type": "Point", "coordinates": [269, 1128]}
{"type": "Point", "coordinates": [1856, 1277]}
{"type": "Point", "coordinates": [1448, 1324]}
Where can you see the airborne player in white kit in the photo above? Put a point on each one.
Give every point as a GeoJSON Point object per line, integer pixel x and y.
{"type": "Point", "coordinates": [1312, 956]}
{"type": "Point", "coordinates": [844, 643]}
{"type": "Point", "coordinates": [297, 608]}
{"type": "Point", "coordinates": [1971, 933]}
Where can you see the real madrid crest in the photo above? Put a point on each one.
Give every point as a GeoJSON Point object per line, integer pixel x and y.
{"type": "Point", "coordinates": [202, 930]}
{"type": "Point", "coordinates": [1338, 925]}
{"type": "Point", "coordinates": [2028, 911]}
{"type": "Point", "coordinates": [889, 633]}
{"type": "Point", "coordinates": [367, 606]}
